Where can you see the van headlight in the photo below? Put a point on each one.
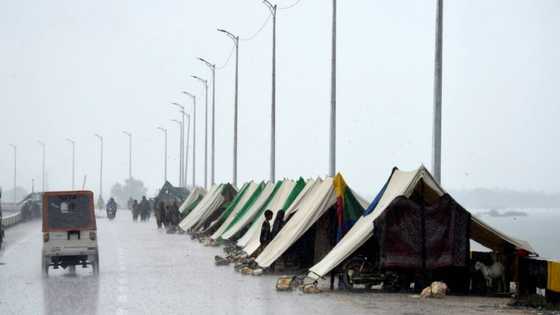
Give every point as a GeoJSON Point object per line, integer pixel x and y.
{"type": "Point", "coordinates": [92, 235]}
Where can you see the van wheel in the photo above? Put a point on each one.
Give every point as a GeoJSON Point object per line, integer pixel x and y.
{"type": "Point", "coordinates": [44, 267]}
{"type": "Point", "coordinates": [95, 265]}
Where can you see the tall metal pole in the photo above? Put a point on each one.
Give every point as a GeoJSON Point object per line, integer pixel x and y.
{"type": "Point", "coordinates": [205, 85]}
{"type": "Point", "coordinates": [187, 150]}
{"type": "Point", "coordinates": [73, 161]}
{"type": "Point", "coordinates": [129, 153]}
{"type": "Point", "coordinates": [273, 103]}
{"type": "Point", "coordinates": [332, 144]}
{"type": "Point", "coordinates": [213, 146]}
{"type": "Point", "coordinates": [164, 130]}
{"type": "Point", "coordinates": [182, 157]}
{"type": "Point", "coordinates": [100, 165]}
{"type": "Point", "coordinates": [235, 110]}
{"type": "Point", "coordinates": [193, 97]}
{"type": "Point", "coordinates": [43, 146]}
{"type": "Point", "coordinates": [15, 171]}
{"type": "Point", "coordinates": [180, 152]}
{"type": "Point", "coordinates": [438, 65]}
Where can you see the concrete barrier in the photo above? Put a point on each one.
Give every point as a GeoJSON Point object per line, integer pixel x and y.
{"type": "Point", "coordinates": [11, 219]}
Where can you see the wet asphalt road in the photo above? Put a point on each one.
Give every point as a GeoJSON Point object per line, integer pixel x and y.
{"type": "Point", "coordinates": [145, 271]}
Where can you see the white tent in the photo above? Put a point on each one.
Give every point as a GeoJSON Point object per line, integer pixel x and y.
{"type": "Point", "coordinates": [400, 184]}
{"type": "Point", "coordinates": [312, 207]}
{"type": "Point", "coordinates": [247, 193]}
{"type": "Point", "coordinates": [210, 213]}
{"type": "Point", "coordinates": [196, 194]}
{"type": "Point", "coordinates": [250, 241]}
{"type": "Point", "coordinates": [211, 201]}
{"type": "Point", "coordinates": [249, 215]}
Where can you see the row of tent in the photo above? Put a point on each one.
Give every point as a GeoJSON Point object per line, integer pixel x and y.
{"type": "Point", "coordinates": [224, 214]}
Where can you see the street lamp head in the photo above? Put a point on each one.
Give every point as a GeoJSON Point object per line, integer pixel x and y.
{"type": "Point", "coordinates": [71, 141]}
{"type": "Point", "coordinates": [199, 79]}
{"type": "Point", "coordinates": [209, 64]}
{"type": "Point", "coordinates": [233, 37]}
{"type": "Point", "coordinates": [41, 143]}
{"type": "Point", "coordinates": [178, 105]}
{"type": "Point", "coordinates": [162, 129]}
{"type": "Point", "coordinates": [271, 6]}
{"type": "Point", "coordinates": [189, 94]}
{"type": "Point", "coordinates": [99, 137]}
{"type": "Point", "coordinates": [127, 133]}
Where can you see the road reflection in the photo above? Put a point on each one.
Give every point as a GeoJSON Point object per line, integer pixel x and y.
{"type": "Point", "coordinates": [70, 292]}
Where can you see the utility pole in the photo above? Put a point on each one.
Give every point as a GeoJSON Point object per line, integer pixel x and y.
{"type": "Point", "coordinates": [273, 104]}
{"type": "Point", "coordinates": [43, 146]}
{"type": "Point", "coordinates": [235, 110]}
{"type": "Point", "coordinates": [438, 65]}
{"type": "Point", "coordinates": [15, 171]}
{"type": "Point", "coordinates": [183, 156]}
{"type": "Point", "coordinates": [188, 117]}
{"type": "Point", "coordinates": [180, 152]}
{"type": "Point", "coordinates": [73, 161]}
{"type": "Point", "coordinates": [205, 85]}
{"type": "Point", "coordinates": [129, 153]}
{"type": "Point", "coordinates": [212, 159]}
{"type": "Point", "coordinates": [182, 179]}
{"type": "Point", "coordinates": [193, 97]}
{"type": "Point", "coordinates": [332, 144]}
{"type": "Point", "coordinates": [100, 165]}
{"type": "Point", "coordinates": [164, 130]}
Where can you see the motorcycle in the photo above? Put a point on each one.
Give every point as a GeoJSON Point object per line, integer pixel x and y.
{"type": "Point", "coordinates": [362, 271]}
{"type": "Point", "coordinates": [111, 211]}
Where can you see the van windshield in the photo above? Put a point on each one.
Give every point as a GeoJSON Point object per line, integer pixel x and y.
{"type": "Point", "coordinates": [69, 211]}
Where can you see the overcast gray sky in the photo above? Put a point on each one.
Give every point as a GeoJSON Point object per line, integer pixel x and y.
{"type": "Point", "coordinates": [75, 68]}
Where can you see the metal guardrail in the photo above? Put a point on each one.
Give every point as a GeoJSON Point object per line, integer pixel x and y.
{"type": "Point", "coordinates": [10, 220]}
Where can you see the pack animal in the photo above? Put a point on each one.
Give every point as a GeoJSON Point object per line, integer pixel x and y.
{"type": "Point", "coordinates": [492, 273]}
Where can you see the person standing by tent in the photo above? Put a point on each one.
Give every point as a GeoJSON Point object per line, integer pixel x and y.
{"type": "Point", "coordinates": [278, 223]}
{"type": "Point", "coordinates": [266, 232]}
{"type": "Point", "coordinates": [176, 216]}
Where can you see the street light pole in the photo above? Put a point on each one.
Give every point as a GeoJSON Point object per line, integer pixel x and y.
{"type": "Point", "coordinates": [205, 84]}
{"type": "Point", "coordinates": [129, 153]}
{"type": "Point", "coordinates": [438, 65]}
{"type": "Point", "coordinates": [164, 130]}
{"type": "Point", "coordinates": [235, 110]}
{"type": "Point", "coordinates": [15, 171]}
{"type": "Point", "coordinates": [100, 165]}
{"type": "Point", "coordinates": [180, 152]}
{"type": "Point", "coordinates": [193, 97]}
{"type": "Point", "coordinates": [73, 160]}
{"type": "Point", "coordinates": [332, 144]}
{"type": "Point", "coordinates": [43, 145]}
{"type": "Point", "coordinates": [212, 159]}
{"type": "Point", "coordinates": [183, 163]}
{"type": "Point", "coordinates": [273, 104]}
{"type": "Point", "coordinates": [188, 141]}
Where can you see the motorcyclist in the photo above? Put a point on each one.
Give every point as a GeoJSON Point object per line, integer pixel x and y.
{"type": "Point", "coordinates": [111, 208]}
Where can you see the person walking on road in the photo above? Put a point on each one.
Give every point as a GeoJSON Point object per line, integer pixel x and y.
{"type": "Point", "coordinates": [144, 209]}
{"type": "Point", "coordinates": [135, 210]}
{"type": "Point", "coordinates": [159, 213]}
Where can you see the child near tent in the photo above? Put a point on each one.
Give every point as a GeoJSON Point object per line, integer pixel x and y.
{"type": "Point", "coordinates": [266, 232]}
